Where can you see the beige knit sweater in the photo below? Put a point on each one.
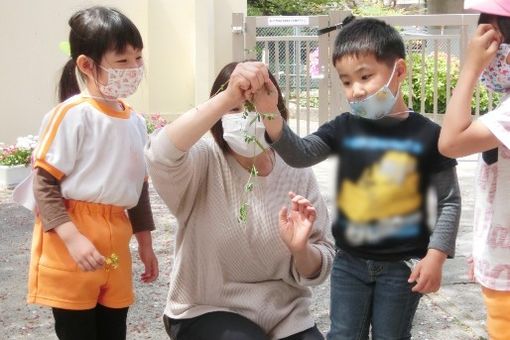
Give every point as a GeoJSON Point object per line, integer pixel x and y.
{"type": "Point", "coordinates": [221, 264]}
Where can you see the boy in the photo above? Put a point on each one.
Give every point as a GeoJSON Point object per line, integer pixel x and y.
{"type": "Point", "coordinates": [389, 159]}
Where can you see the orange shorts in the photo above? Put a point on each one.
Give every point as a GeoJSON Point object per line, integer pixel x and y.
{"type": "Point", "coordinates": [54, 278]}
{"type": "Point", "coordinates": [498, 313]}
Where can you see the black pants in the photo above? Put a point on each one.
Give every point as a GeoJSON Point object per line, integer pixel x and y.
{"type": "Point", "coordinates": [225, 326]}
{"type": "Point", "coordinates": [100, 323]}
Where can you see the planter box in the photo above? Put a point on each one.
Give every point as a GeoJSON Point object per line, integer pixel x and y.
{"type": "Point", "coordinates": [10, 176]}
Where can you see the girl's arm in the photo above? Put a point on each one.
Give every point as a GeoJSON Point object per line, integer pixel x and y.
{"type": "Point", "coordinates": [460, 136]}
{"type": "Point", "coordinates": [55, 218]}
{"type": "Point", "coordinates": [140, 215]}
{"type": "Point", "coordinates": [142, 222]}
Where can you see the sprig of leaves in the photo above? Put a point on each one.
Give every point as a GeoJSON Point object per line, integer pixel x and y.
{"type": "Point", "coordinates": [248, 138]}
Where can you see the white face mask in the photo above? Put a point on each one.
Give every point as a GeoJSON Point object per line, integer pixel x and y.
{"type": "Point", "coordinates": [237, 129]}
{"type": "Point", "coordinates": [122, 82]}
{"type": "Point", "coordinates": [496, 76]}
{"type": "Point", "coordinates": [377, 105]}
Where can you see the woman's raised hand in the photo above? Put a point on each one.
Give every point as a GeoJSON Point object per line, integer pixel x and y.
{"type": "Point", "coordinates": [296, 225]}
{"type": "Point", "coordinates": [246, 79]}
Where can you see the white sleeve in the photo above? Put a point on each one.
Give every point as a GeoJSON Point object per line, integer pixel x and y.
{"type": "Point", "coordinates": [498, 122]}
{"type": "Point", "coordinates": [59, 142]}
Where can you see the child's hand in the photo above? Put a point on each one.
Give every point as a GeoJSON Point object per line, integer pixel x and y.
{"type": "Point", "coordinates": [246, 79]}
{"type": "Point", "coordinates": [482, 47]}
{"type": "Point", "coordinates": [296, 226]}
{"type": "Point", "coordinates": [428, 272]}
{"type": "Point", "coordinates": [150, 261]}
{"type": "Point", "coordinates": [147, 256]}
{"type": "Point", "coordinates": [80, 248]}
{"type": "Point", "coordinates": [266, 99]}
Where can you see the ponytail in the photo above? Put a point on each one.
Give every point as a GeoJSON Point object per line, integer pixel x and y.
{"type": "Point", "coordinates": [68, 85]}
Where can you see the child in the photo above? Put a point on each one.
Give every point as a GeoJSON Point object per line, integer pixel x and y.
{"type": "Point", "coordinates": [89, 169]}
{"type": "Point", "coordinates": [488, 56]}
{"type": "Point", "coordinates": [389, 159]}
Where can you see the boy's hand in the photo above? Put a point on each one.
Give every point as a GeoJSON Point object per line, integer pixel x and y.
{"type": "Point", "coordinates": [428, 272]}
{"type": "Point", "coordinates": [266, 99]}
{"type": "Point", "coordinates": [147, 256]}
{"type": "Point", "coordinates": [246, 79]}
{"type": "Point", "coordinates": [80, 248]}
{"type": "Point", "coordinates": [482, 47]}
{"type": "Point", "coordinates": [296, 226]}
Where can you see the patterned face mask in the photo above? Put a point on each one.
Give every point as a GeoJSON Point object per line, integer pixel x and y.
{"type": "Point", "coordinates": [239, 133]}
{"type": "Point", "coordinates": [496, 76]}
{"type": "Point", "coordinates": [377, 105]}
{"type": "Point", "coordinates": [122, 82]}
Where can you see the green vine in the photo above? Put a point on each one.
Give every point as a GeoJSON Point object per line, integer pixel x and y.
{"type": "Point", "coordinates": [248, 138]}
{"type": "Point", "coordinates": [250, 184]}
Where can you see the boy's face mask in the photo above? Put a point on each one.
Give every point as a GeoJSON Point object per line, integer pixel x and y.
{"type": "Point", "coordinates": [496, 76]}
{"type": "Point", "coordinates": [237, 129]}
{"type": "Point", "coordinates": [377, 105]}
{"type": "Point", "coordinates": [122, 82]}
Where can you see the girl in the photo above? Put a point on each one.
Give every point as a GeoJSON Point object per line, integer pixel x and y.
{"type": "Point", "coordinates": [489, 56]}
{"type": "Point", "coordinates": [235, 278]}
{"type": "Point", "coordinates": [89, 169]}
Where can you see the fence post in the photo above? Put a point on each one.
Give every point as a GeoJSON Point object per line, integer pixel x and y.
{"type": "Point", "coordinates": [237, 36]}
{"type": "Point", "coordinates": [338, 101]}
{"type": "Point", "coordinates": [324, 61]}
{"type": "Point", "coordinates": [250, 38]}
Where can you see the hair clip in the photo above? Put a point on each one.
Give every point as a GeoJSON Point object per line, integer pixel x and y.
{"type": "Point", "coordinates": [346, 20]}
{"type": "Point", "coordinates": [329, 29]}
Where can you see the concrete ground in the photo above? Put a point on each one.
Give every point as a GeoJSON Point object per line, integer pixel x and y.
{"type": "Point", "coordinates": [455, 312]}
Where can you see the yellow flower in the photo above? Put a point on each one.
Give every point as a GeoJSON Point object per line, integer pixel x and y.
{"type": "Point", "coordinates": [111, 262]}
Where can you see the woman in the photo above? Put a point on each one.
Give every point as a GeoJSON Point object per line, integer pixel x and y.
{"type": "Point", "coordinates": [242, 264]}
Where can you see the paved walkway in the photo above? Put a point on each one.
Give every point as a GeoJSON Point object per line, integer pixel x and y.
{"type": "Point", "coordinates": [455, 312]}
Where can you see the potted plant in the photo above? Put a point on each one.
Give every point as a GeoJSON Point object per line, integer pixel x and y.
{"type": "Point", "coordinates": [154, 121]}
{"type": "Point", "coordinates": [15, 161]}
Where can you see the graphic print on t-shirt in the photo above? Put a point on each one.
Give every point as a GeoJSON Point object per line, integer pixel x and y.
{"type": "Point", "coordinates": [385, 200]}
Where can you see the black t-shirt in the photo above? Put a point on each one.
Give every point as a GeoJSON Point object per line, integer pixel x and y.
{"type": "Point", "coordinates": [382, 184]}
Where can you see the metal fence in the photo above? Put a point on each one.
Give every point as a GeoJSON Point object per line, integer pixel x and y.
{"type": "Point", "coordinates": [300, 59]}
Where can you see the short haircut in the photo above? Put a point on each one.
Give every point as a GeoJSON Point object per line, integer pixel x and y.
{"type": "Point", "coordinates": [369, 36]}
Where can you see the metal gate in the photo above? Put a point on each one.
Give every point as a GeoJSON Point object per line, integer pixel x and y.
{"type": "Point", "coordinates": [300, 59]}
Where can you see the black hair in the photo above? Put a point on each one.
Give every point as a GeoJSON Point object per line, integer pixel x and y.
{"type": "Point", "coordinates": [369, 36]}
{"type": "Point", "coordinates": [220, 85]}
{"type": "Point", "coordinates": [503, 24]}
{"type": "Point", "coordinates": [95, 31]}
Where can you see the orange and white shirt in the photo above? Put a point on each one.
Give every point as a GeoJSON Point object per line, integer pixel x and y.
{"type": "Point", "coordinates": [95, 151]}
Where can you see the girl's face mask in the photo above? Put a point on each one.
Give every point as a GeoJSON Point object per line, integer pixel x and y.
{"type": "Point", "coordinates": [240, 133]}
{"type": "Point", "coordinates": [122, 82]}
{"type": "Point", "coordinates": [496, 76]}
{"type": "Point", "coordinates": [377, 105]}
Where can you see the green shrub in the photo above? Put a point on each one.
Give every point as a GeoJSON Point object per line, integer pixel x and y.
{"type": "Point", "coordinates": [415, 59]}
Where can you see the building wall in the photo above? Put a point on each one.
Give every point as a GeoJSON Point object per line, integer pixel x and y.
{"type": "Point", "coordinates": [185, 46]}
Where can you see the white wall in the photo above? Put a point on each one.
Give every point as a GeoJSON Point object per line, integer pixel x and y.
{"type": "Point", "coordinates": [186, 43]}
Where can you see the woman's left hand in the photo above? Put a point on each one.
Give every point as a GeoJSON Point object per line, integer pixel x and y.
{"type": "Point", "coordinates": [296, 226]}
